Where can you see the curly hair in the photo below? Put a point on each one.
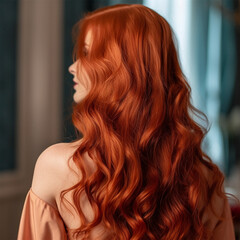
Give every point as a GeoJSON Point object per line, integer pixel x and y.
{"type": "Point", "coordinates": [137, 127]}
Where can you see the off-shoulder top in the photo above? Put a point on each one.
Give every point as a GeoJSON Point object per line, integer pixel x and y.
{"type": "Point", "coordinates": [42, 221]}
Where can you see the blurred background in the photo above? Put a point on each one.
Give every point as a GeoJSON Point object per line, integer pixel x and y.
{"type": "Point", "coordinates": [36, 89]}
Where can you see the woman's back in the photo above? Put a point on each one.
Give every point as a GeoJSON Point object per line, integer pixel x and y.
{"type": "Point", "coordinates": [54, 162]}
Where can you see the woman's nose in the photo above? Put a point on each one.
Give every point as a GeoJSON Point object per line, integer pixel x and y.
{"type": "Point", "coordinates": [71, 69]}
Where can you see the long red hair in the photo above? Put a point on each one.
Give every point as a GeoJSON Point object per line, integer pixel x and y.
{"type": "Point", "coordinates": [137, 127]}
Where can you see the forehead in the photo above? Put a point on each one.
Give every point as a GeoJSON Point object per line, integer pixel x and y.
{"type": "Point", "coordinates": [88, 38]}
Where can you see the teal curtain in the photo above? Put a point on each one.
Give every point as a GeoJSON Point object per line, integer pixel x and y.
{"type": "Point", "coordinates": [215, 84]}
{"type": "Point", "coordinates": [228, 81]}
{"type": "Point", "coordinates": [8, 63]}
{"type": "Point", "coordinates": [199, 33]}
{"type": "Point", "coordinates": [229, 59]}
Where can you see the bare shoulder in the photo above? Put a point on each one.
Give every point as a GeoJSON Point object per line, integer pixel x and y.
{"type": "Point", "coordinates": [51, 171]}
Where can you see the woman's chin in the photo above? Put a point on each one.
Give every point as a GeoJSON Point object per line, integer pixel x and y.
{"type": "Point", "coordinates": [77, 98]}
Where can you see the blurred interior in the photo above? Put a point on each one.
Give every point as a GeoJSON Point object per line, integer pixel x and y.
{"type": "Point", "coordinates": [36, 89]}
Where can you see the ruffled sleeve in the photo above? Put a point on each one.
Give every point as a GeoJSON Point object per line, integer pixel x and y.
{"type": "Point", "coordinates": [40, 220]}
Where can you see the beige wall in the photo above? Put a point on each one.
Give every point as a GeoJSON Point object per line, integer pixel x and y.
{"type": "Point", "coordinates": [39, 81]}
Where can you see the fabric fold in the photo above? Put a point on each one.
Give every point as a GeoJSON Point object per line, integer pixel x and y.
{"type": "Point", "coordinates": [40, 220]}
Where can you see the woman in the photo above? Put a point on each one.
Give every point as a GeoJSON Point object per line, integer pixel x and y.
{"type": "Point", "coordinates": [138, 172]}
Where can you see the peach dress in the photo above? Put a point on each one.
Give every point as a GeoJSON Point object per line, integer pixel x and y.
{"type": "Point", "coordinates": [41, 221]}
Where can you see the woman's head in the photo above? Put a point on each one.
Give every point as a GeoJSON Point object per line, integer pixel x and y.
{"type": "Point", "coordinates": [131, 64]}
{"type": "Point", "coordinates": [137, 129]}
